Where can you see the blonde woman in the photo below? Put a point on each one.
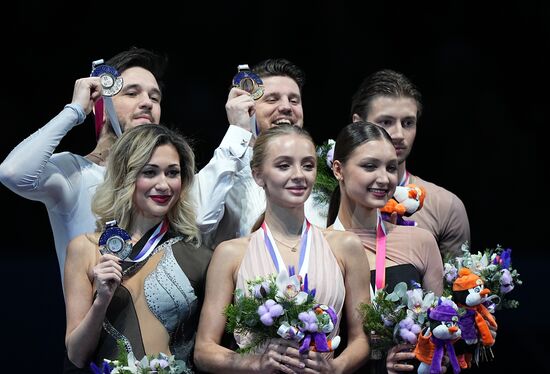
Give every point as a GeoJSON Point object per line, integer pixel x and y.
{"type": "Point", "coordinates": [149, 298]}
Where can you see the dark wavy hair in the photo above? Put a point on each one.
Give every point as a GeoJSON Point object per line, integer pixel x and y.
{"type": "Point", "coordinates": [383, 83]}
{"type": "Point", "coordinates": [141, 57]}
{"type": "Point", "coordinates": [275, 67]}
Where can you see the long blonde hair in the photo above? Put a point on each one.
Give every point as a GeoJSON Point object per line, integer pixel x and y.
{"type": "Point", "coordinates": [130, 153]}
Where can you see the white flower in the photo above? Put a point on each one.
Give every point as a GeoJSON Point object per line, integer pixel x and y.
{"type": "Point", "coordinates": [330, 153]}
{"type": "Point", "coordinates": [418, 304]}
{"type": "Point", "coordinates": [160, 364]}
{"type": "Point", "coordinates": [288, 288]}
{"type": "Point", "coordinates": [479, 262]}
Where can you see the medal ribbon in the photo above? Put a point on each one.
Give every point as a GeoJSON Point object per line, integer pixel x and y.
{"type": "Point", "coordinates": [380, 282]}
{"type": "Point", "coordinates": [111, 113]}
{"type": "Point", "coordinates": [305, 248]}
{"type": "Point", "coordinates": [98, 119]}
{"type": "Point", "coordinates": [380, 269]}
{"type": "Point", "coordinates": [254, 126]}
{"type": "Point", "coordinates": [152, 243]}
{"type": "Point", "coordinates": [107, 103]}
{"type": "Point", "coordinates": [405, 180]}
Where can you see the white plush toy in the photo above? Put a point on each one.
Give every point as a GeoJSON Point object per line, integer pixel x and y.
{"type": "Point", "coordinates": [405, 201]}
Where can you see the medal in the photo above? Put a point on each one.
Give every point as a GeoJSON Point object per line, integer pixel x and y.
{"type": "Point", "coordinates": [115, 240]}
{"type": "Point", "coordinates": [111, 84]}
{"type": "Point", "coordinates": [248, 81]}
{"type": "Point", "coordinates": [110, 79]}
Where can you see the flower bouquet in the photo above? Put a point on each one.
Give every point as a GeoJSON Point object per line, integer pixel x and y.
{"type": "Point", "coordinates": [128, 364]}
{"type": "Point", "coordinates": [494, 266]}
{"type": "Point", "coordinates": [480, 284]}
{"type": "Point", "coordinates": [397, 317]}
{"type": "Point", "coordinates": [281, 306]}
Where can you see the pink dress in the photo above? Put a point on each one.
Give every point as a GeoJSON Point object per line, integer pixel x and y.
{"type": "Point", "coordinates": [323, 272]}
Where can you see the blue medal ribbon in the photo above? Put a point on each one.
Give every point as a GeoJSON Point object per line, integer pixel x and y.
{"type": "Point", "coordinates": [305, 244]}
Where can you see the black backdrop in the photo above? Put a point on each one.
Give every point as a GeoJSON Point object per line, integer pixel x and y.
{"type": "Point", "coordinates": [482, 72]}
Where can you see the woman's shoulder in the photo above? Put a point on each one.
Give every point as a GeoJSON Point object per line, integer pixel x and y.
{"type": "Point", "coordinates": [332, 234]}
{"type": "Point", "coordinates": [237, 244]}
{"type": "Point", "coordinates": [84, 242]}
{"type": "Point", "coordinates": [343, 240]}
{"type": "Point", "coordinates": [414, 231]}
{"type": "Point", "coordinates": [418, 236]}
{"type": "Point", "coordinates": [232, 250]}
{"type": "Point", "coordinates": [83, 252]}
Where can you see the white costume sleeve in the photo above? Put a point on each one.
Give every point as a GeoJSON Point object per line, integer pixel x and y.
{"type": "Point", "coordinates": [29, 171]}
{"type": "Point", "coordinates": [214, 181]}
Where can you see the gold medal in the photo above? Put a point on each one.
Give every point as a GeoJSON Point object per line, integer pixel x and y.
{"type": "Point", "coordinates": [248, 81]}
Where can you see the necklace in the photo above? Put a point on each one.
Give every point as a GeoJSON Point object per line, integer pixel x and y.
{"type": "Point", "coordinates": [96, 158]}
{"type": "Point", "coordinates": [293, 248]}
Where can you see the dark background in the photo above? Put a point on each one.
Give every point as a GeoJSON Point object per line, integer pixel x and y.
{"type": "Point", "coordinates": [482, 69]}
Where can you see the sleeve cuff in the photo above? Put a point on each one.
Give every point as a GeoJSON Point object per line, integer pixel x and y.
{"type": "Point", "coordinates": [77, 108]}
{"type": "Point", "coordinates": [236, 140]}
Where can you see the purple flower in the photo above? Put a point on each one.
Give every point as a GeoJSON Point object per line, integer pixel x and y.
{"type": "Point", "coordinates": [506, 258]}
{"type": "Point", "coordinates": [491, 307]}
{"type": "Point", "coordinates": [268, 311]}
{"type": "Point", "coordinates": [415, 284]}
{"type": "Point", "coordinates": [105, 368]}
{"type": "Point", "coordinates": [330, 156]}
{"type": "Point", "coordinates": [451, 273]}
{"type": "Point", "coordinates": [388, 321]}
{"type": "Point", "coordinates": [261, 290]}
{"type": "Point", "coordinates": [330, 152]}
{"type": "Point", "coordinates": [156, 364]}
{"type": "Point", "coordinates": [309, 320]}
{"type": "Point", "coordinates": [291, 271]}
{"type": "Point", "coordinates": [506, 281]}
{"type": "Point", "coordinates": [408, 330]}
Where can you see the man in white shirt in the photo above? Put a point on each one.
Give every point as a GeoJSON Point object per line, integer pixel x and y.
{"type": "Point", "coordinates": [242, 202]}
{"type": "Point", "coordinates": [65, 182]}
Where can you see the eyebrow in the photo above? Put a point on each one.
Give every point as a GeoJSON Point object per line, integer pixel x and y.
{"type": "Point", "coordinates": [376, 159]}
{"type": "Point", "coordinates": [157, 166]}
{"type": "Point", "coordinates": [287, 158]}
{"type": "Point", "coordinates": [383, 116]}
{"type": "Point", "coordinates": [140, 87]}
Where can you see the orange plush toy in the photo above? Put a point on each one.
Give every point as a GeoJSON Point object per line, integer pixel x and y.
{"type": "Point", "coordinates": [405, 201]}
{"type": "Point", "coordinates": [469, 293]}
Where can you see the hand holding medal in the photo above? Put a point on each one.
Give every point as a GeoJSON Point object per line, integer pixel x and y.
{"type": "Point", "coordinates": [117, 241]}
{"type": "Point", "coordinates": [248, 81]}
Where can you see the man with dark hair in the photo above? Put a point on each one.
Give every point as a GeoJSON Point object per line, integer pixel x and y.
{"type": "Point", "coordinates": [389, 99]}
{"type": "Point", "coordinates": [242, 201]}
{"type": "Point", "coordinates": [65, 182]}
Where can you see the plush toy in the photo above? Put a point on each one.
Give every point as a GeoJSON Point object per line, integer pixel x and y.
{"type": "Point", "coordinates": [440, 336]}
{"type": "Point", "coordinates": [405, 201]}
{"type": "Point", "coordinates": [469, 293]}
{"type": "Point", "coordinates": [316, 325]}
